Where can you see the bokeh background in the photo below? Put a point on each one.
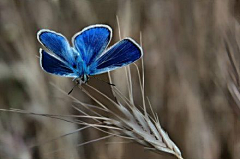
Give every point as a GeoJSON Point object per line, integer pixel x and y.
{"type": "Point", "coordinates": [187, 73]}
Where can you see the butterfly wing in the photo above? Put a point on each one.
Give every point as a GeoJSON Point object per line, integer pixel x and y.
{"type": "Point", "coordinates": [58, 45]}
{"type": "Point", "coordinates": [54, 65]}
{"type": "Point", "coordinates": [121, 54]}
{"type": "Point", "coordinates": [92, 41]}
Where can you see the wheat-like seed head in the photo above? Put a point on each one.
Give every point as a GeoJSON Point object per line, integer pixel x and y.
{"type": "Point", "coordinates": [134, 123]}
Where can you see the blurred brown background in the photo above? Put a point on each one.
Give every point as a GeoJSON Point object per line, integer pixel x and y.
{"type": "Point", "coordinates": [186, 73]}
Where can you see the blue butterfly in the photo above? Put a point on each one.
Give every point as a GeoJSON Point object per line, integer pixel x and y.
{"type": "Point", "coordinates": [89, 54]}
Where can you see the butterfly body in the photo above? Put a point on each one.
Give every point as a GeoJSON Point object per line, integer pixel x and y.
{"type": "Point", "coordinates": [89, 54]}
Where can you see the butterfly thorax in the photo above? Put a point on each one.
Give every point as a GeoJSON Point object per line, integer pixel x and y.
{"type": "Point", "coordinates": [82, 70]}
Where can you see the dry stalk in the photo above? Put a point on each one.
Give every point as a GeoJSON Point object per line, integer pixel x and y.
{"type": "Point", "coordinates": [232, 48]}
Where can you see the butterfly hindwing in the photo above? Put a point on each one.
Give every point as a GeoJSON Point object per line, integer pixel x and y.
{"type": "Point", "coordinates": [121, 54]}
{"type": "Point", "coordinates": [53, 65]}
{"type": "Point", "coordinates": [92, 41]}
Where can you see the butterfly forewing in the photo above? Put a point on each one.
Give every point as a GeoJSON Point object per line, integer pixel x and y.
{"type": "Point", "coordinates": [92, 41]}
{"type": "Point", "coordinates": [57, 44]}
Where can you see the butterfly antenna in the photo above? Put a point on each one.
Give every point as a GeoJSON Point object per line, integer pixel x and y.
{"type": "Point", "coordinates": [111, 84]}
{"type": "Point", "coordinates": [77, 83]}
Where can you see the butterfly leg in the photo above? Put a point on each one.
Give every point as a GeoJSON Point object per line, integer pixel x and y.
{"type": "Point", "coordinates": [111, 84]}
{"type": "Point", "coordinates": [78, 82]}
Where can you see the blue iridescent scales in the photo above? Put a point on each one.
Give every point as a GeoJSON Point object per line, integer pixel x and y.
{"type": "Point", "coordinates": [89, 54]}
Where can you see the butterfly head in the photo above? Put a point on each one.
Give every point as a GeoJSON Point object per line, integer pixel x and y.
{"type": "Point", "coordinates": [84, 78]}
